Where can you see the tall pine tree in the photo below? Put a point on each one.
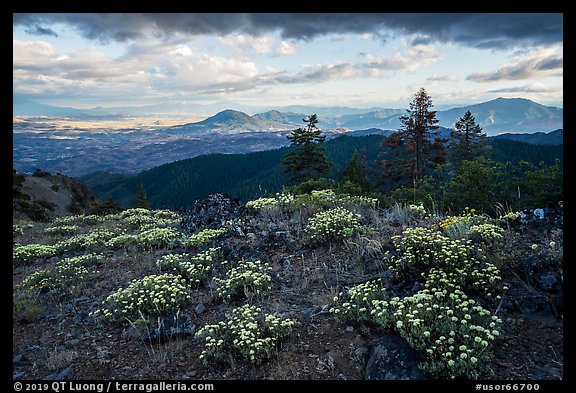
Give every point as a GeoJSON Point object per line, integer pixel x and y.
{"type": "Point", "coordinates": [356, 172]}
{"type": "Point", "coordinates": [308, 160]}
{"type": "Point", "coordinates": [141, 199]}
{"type": "Point", "coordinates": [467, 140]}
{"type": "Point", "coordinates": [414, 149]}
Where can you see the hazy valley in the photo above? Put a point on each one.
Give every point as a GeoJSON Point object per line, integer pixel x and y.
{"type": "Point", "coordinates": [76, 143]}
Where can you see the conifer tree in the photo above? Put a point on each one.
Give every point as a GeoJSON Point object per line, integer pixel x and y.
{"type": "Point", "coordinates": [467, 141]}
{"type": "Point", "coordinates": [356, 172]}
{"type": "Point", "coordinates": [308, 160]}
{"type": "Point", "coordinates": [414, 149]}
{"type": "Point", "coordinates": [141, 199]}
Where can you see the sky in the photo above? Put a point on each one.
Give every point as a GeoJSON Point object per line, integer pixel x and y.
{"type": "Point", "coordinates": [274, 60]}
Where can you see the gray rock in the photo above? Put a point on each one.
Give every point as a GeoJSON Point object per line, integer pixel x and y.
{"type": "Point", "coordinates": [391, 358]}
{"type": "Point", "coordinates": [67, 373]}
{"type": "Point", "coordinates": [550, 282]}
{"type": "Point", "coordinates": [173, 326]}
{"type": "Point", "coordinates": [536, 307]}
{"type": "Point", "coordinates": [200, 308]}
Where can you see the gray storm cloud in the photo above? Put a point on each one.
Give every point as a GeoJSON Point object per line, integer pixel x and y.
{"type": "Point", "coordinates": [480, 30]}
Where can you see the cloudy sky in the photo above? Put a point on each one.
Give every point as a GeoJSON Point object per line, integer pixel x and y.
{"type": "Point", "coordinates": [266, 60]}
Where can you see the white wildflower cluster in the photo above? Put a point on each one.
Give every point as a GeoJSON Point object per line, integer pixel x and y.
{"type": "Point", "coordinates": [25, 254]}
{"type": "Point", "coordinates": [194, 269]}
{"type": "Point", "coordinates": [333, 224]}
{"type": "Point", "coordinates": [138, 211]}
{"type": "Point", "coordinates": [512, 216]}
{"type": "Point", "coordinates": [59, 230]}
{"type": "Point", "coordinates": [17, 230]}
{"type": "Point", "coordinates": [418, 211]}
{"type": "Point", "coordinates": [83, 219]}
{"type": "Point", "coordinates": [261, 203]}
{"type": "Point", "coordinates": [204, 237]}
{"type": "Point", "coordinates": [443, 262]}
{"type": "Point", "coordinates": [453, 331]}
{"type": "Point", "coordinates": [158, 237]}
{"type": "Point", "coordinates": [362, 302]}
{"type": "Point", "coordinates": [280, 200]}
{"type": "Point", "coordinates": [86, 241]}
{"type": "Point", "coordinates": [151, 295]}
{"type": "Point", "coordinates": [487, 234]}
{"type": "Point", "coordinates": [247, 333]}
{"type": "Point", "coordinates": [66, 274]}
{"type": "Point", "coordinates": [123, 241]}
{"type": "Point", "coordinates": [328, 198]}
{"type": "Point", "coordinates": [247, 277]}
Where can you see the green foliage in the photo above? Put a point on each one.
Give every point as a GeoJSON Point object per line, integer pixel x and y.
{"type": "Point", "coordinates": [444, 263]}
{"type": "Point", "coordinates": [362, 302]}
{"type": "Point", "coordinates": [308, 186]}
{"type": "Point", "coordinates": [88, 241]}
{"type": "Point", "coordinates": [354, 179]}
{"type": "Point", "coordinates": [252, 175]}
{"type": "Point", "coordinates": [141, 199]}
{"type": "Point", "coordinates": [453, 331]}
{"type": "Point", "coordinates": [467, 140]}
{"type": "Point", "coordinates": [333, 225]}
{"type": "Point", "coordinates": [542, 186]}
{"type": "Point", "coordinates": [66, 274]}
{"type": "Point", "coordinates": [204, 237]}
{"type": "Point", "coordinates": [153, 295]}
{"type": "Point", "coordinates": [24, 255]}
{"type": "Point", "coordinates": [414, 150]}
{"type": "Point", "coordinates": [194, 270]}
{"type": "Point", "coordinates": [487, 234]}
{"type": "Point", "coordinates": [308, 160]}
{"type": "Point", "coordinates": [159, 238]}
{"type": "Point", "coordinates": [476, 185]}
{"type": "Point", "coordinates": [61, 230]}
{"type": "Point", "coordinates": [247, 333]}
{"type": "Point", "coordinates": [248, 278]}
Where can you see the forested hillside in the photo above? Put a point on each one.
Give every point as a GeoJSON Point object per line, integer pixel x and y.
{"type": "Point", "coordinates": [252, 175]}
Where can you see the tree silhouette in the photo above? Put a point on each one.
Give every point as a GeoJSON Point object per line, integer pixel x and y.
{"type": "Point", "coordinates": [141, 199]}
{"type": "Point", "coordinates": [308, 160]}
{"type": "Point", "coordinates": [413, 149]}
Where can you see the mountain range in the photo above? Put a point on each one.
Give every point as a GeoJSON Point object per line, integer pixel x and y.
{"type": "Point", "coordinates": [496, 116]}
{"type": "Point", "coordinates": [38, 143]}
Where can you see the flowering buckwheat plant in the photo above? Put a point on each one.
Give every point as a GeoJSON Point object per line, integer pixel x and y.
{"type": "Point", "coordinates": [60, 230]}
{"type": "Point", "coordinates": [158, 238]}
{"type": "Point", "coordinates": [204, 237]}
{"type": "Point", "coordinates": [418, 211]}
{"type": "Point", "coordinates": [248, 333]}
{"type": "Point", "coordinates": [486, 234]}
{"type": "Point", "coordinates": [453, 331]}
{"type": "Point", "coordinates": [151, 295]}
{"type": "Point", "coordinates": [334, 224]}
{"type": "Point", "coordinates": [194, 270]}
{"type": "Point", "coordinates": [362, 302]}
{"type": "Point", "coordinates": [87, 241]}
{"type": "Point", "coordinates": [66, 274]}
{"type": "Point", "coordinates": [78, 219]}
{"type": "Point", "coordinates": [444, 262]}
{"type": "Point", "coordinates": [23, 255]}
{"type": "Point", "coordinates": [247, 277]}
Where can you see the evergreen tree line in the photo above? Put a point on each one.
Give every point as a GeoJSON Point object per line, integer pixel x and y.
{"type": "Point", "coordinates": [415, 165]}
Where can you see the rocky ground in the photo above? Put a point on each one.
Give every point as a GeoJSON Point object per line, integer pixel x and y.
{"type": "Point", "coordinates": [54, 337]}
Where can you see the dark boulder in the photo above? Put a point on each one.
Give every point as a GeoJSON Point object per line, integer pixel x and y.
{"type": "Point", "coordinates": [391, 358]}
